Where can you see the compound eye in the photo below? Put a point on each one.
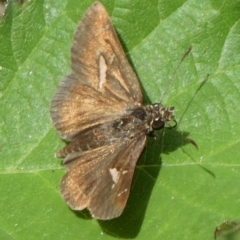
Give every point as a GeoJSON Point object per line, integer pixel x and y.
{"type": "Point", "coordinates": [158, 124]}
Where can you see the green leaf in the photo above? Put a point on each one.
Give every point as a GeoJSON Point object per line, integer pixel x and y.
{"type": "Point", "coordinates": [177, 192]}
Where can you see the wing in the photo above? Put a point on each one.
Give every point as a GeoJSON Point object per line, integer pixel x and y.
{"type": "Point", "coordinates": [102, 83]}
{"type": "Point", "coordinates": [100, 179]}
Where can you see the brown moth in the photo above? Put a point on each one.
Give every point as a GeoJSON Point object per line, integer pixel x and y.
{"type": "Point", "coordinates": [98, 109]}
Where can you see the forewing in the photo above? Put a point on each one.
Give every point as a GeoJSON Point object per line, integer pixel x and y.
{"type": "Point", "coordinates": [102, 83]}
{"type": "Point", "coordinates": [100, 179]}
{"type": "Point", "coordinates": [81, 107]}
{"type": "Point", "coordinates": [114, 186]}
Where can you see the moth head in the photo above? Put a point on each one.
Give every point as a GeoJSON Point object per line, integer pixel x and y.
{"type": "Point", "coordinates": [158, 116]}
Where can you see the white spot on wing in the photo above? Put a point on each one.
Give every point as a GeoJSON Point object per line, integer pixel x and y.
{"type": "Point", "coordinates": [98, 53]}
{"type": "Point", "coordinates": [111, 59]}
{"type": "Point", "coordinates": [102, 30]}
{"type": "Point", "coordinates": [114, 174]}
{"type": "Point", "coordinates": [102, 71]}
{"type": "Point", "coordinates": [125, 190]}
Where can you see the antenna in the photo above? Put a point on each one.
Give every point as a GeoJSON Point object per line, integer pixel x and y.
{"type": "Point", "coordinates": [174, 73]}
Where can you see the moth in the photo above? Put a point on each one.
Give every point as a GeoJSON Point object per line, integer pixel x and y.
{"type": "Point", "coordinates": [98, 109]}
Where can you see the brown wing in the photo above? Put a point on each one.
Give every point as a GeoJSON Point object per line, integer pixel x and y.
{"type": "Point", "coordinates": [102, 83]}
{"type": "Point", "coordinates": [100, 179]}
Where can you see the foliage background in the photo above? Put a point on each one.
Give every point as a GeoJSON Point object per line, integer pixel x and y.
{"type": "Point", "coordinates": [177, 192]}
